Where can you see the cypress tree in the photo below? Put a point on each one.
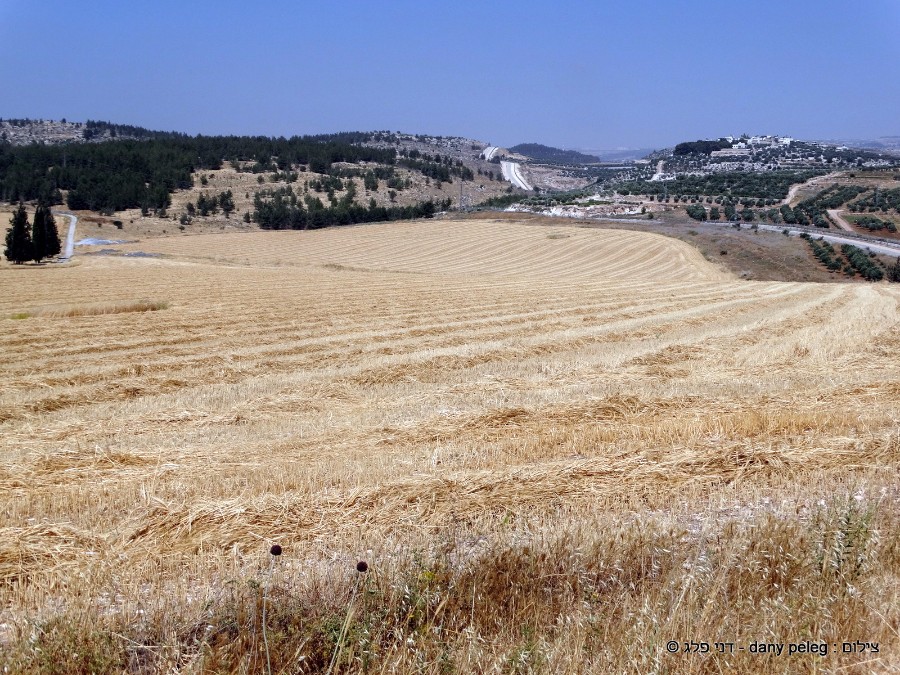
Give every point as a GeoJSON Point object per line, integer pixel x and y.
{"type": "Point", "coordinates": [38, 235]}
{"type": "Point", "coordinates": [18, 239]}
{"type": "Point", "coordinates": [54, 245]}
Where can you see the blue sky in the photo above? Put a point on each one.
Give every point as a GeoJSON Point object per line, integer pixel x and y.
{"type": "Point", "coordinates": [576, 74]}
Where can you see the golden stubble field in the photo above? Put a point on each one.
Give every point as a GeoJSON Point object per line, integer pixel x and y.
{"type": "Point", "coordinates": [557, 449]}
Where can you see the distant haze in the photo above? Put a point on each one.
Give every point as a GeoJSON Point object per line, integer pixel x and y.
{"type": "Point", "coordinates": [572, 74]}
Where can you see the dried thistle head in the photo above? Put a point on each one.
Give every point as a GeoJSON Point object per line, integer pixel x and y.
{"type": "Point", "coordinates": [275, 550]}
{"type": "Point", "coordinates": [362, 567]}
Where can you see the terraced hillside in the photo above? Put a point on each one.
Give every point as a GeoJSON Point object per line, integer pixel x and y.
{"type": "Point", "coordinates": [555, 448]}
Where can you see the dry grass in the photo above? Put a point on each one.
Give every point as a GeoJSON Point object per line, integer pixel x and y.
{"type": "Point", "coordinates": [556, 453]}
{"type": "Point", "coordinates": [93, 309]}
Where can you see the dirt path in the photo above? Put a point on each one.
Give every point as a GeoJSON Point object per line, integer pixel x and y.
{"type": "Point", "coordinates": [838, 219]}
{"type": "Point", "coordinates": [69, 248]}
{"type": "Point", "coordinates": [792, 193]}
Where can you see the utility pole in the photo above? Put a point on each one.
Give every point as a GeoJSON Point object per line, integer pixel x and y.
{"type": "Point", "coordinates": [460, 194]}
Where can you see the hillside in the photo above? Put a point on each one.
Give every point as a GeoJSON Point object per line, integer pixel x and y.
{"type": "Point", "coordinates": [194, 182]}
{"type": "Point", "coordinates": [52, 132]}
{"type": "Point", "coordinates": [546, 153]}
{"type": "Point", "coordinates": [159, 181]}
{"type": "Point", "coordinates": [771, 183]}
{"type": "Point", "coordinates": [761, 154]}
{"type": "Point", "coordinates": [883, 144]}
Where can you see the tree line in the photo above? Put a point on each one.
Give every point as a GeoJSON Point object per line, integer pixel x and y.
{"type": "Point", "coordinates": [875, 224]}
{"type": "Point", "coordinates": [547, 153]}
{"type": "Point", "coordinates": [879, 200]}
{"type": "Point", "coordinates": [34, 241]}
{"type": "Point", "coordinates": [283, 209]}
{"type": "Point", "coordinates": [862, 263]}
{"type": "Point", "coordinates": [210, 204]}
{"type": "Point", "coordinates": [124, 174]}
{"type": "Point", "coordinates": [858, 261]}
{"type": "Point", "coordinates": [800, 215]}
{"type": "Point", "coordinates": [438, 171]}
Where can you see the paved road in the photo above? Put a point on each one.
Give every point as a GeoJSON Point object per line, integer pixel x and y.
{"type": "Point", "coordinates": [860, 242]}
{"type": "Point", "coordinates": [880, 247]}
{"type": "Point", "coordinates": [512, 173]}
{"type": "Point", "coordinates": [69, 248]}
{"type": "Point", "coordinates": [489, 152]}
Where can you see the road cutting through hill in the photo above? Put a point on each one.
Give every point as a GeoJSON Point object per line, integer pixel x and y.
{"type": "Point", "coordinates": [512, 171]}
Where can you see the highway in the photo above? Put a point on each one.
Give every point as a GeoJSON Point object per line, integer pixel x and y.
{"type": "Point", "coordinates": [511, 170]}
{"type": "Point", "coordinates": [512, 173]}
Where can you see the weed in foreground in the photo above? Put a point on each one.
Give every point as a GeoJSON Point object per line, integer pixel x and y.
{"type": "Point", "coordinates": [605, 598]}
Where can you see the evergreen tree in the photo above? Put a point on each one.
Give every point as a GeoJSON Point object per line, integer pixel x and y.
{"type": "Point", "coordinates": [893, 273]}
{"type": "Point", "coordinates": [38, 235]}
{"type": "Point", "coordinates": [44, 235]}
{"type": "Point", "coordinates": [18, 239]}
{"type": "Point", "coordinates": [226, 202]}
{"type": "Point", "coordinates": [54, 245]}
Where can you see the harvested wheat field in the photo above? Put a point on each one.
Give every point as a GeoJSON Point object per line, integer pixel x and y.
{"type": "Point", "coordinates": [556, 449]}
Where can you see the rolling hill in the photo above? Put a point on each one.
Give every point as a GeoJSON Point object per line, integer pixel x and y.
{"type": "Point", "coordinates": [546, 153]}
